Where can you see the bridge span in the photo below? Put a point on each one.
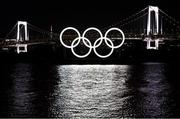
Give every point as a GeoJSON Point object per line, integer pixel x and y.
{"type": "Point", "coordinates": [148, 31]}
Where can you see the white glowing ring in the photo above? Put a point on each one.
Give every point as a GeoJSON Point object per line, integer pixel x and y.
{"type": "Point", "coordinates": [72, 47]}
{"type": "Point", "coordinates": [112, 47]}
{"type": "Point", "coordinates": [89, 45]}
{"type": "Point", "coordinates": [95, 29]}
{"type": "Point", "coordinates": [123, 37]}
{"type": "Point", "coordinates": [69, 28]}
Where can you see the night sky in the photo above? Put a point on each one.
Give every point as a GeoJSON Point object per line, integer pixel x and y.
{"type": "Point", "coordinates": [63, 13]}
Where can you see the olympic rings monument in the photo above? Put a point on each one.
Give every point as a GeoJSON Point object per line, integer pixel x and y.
{"type": "Point", "coordinates": [88, 44]}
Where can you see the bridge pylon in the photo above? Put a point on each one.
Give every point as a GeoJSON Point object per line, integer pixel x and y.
{"type": "Point", "coordinates": [153, 21]}
{"type": "Point", "coordinates": [152, 28]}
{"type": "Point", "coordinates": [22, 31]}
{"type": "Point", "coordinates": [22, 35]}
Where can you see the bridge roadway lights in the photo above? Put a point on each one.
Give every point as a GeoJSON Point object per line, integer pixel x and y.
{"type": "Point", "coordinates": [152, 44]}
{"type": "Point", "coordinates": [21, 48]}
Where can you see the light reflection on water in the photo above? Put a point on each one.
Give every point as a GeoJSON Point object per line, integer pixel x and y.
{"type": "Point", "coordinates": [88, 91]}
{"type": "Point", "coordinates": [91, 91]}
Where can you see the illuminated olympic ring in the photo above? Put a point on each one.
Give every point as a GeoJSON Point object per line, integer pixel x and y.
{"type": "Point", "coordinates": [88, 44]}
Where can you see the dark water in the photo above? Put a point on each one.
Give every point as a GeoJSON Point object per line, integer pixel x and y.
{"type": "Point", "coordinates": [89, 91]}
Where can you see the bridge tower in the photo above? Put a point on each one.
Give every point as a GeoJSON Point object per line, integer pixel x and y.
{"type": "Point", "coordinates": [152, 28]}
{"type": "Point", "coordinates": [22, 31]}
{"type": "Point", "coordinates": [22, 35]}
{"type": "Point", "coordinates": [153, 23]}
